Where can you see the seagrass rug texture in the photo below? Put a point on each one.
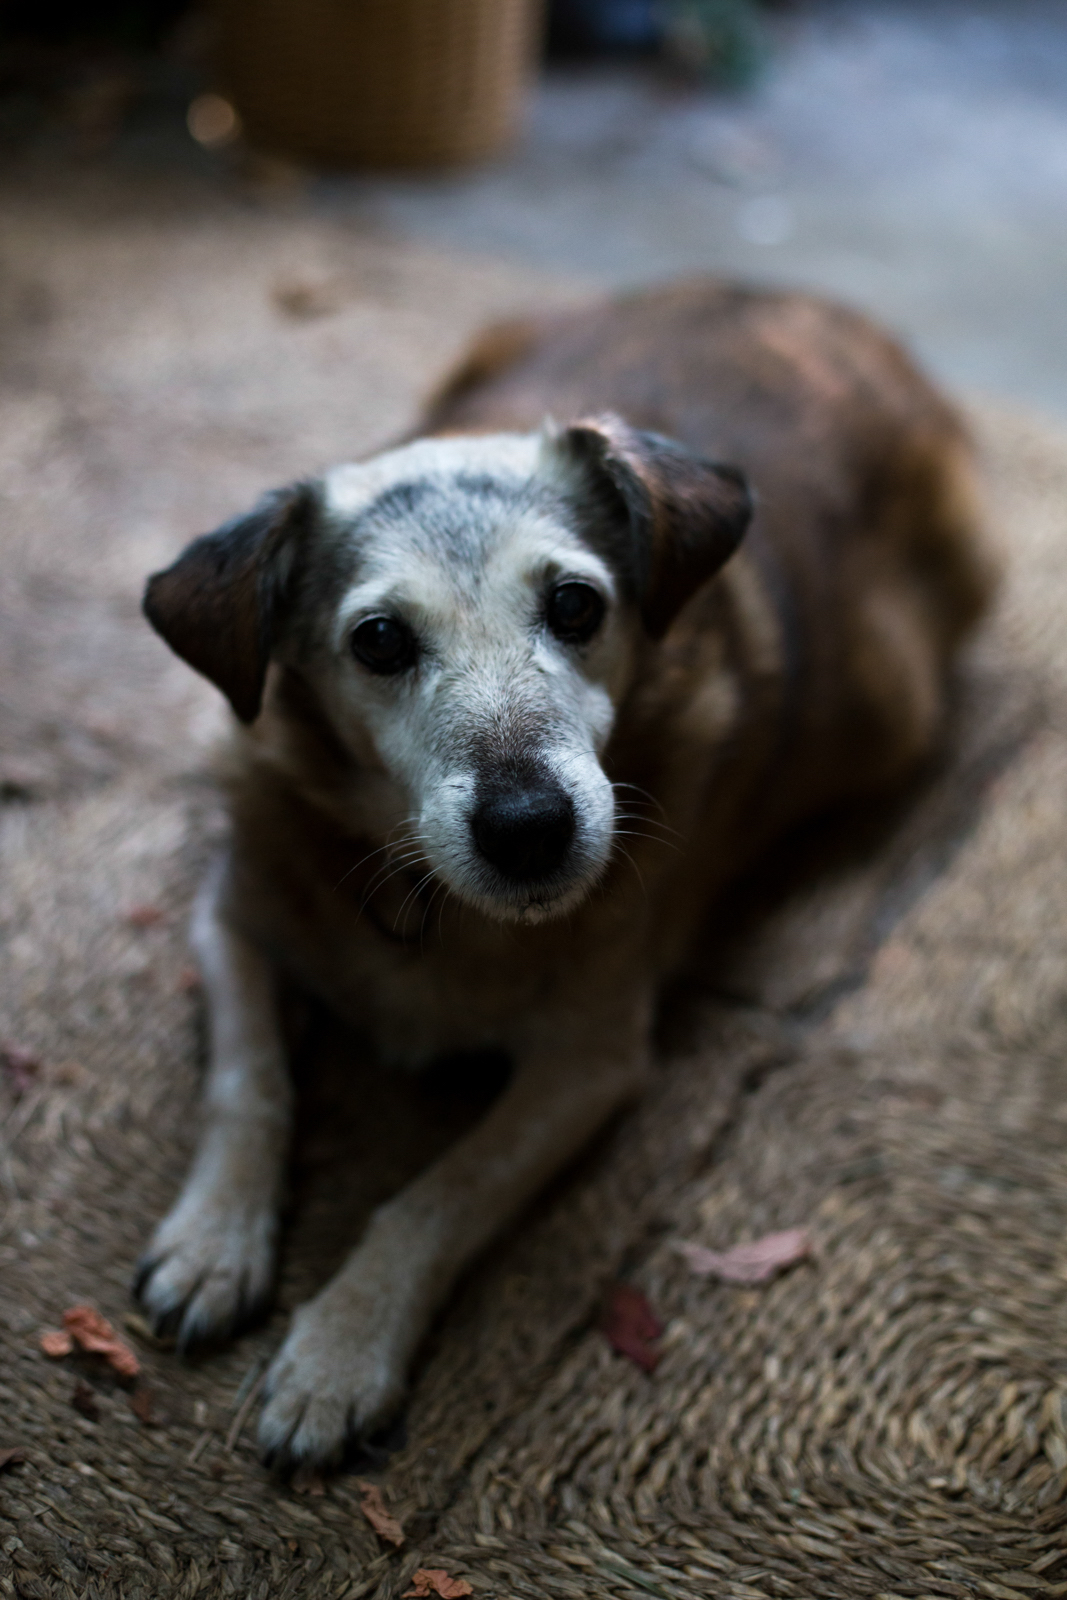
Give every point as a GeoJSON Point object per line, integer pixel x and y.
{"type": "Point", "coordinates": [878, 1056]}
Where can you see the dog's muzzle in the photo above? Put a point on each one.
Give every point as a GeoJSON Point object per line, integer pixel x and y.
{"type": "Point", "coordinates": [524, 829]}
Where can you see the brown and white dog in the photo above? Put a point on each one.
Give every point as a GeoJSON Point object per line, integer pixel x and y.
{"type": "Point", "coordinates": [519, 697]}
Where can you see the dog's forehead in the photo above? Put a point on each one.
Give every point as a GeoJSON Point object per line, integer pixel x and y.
{"type": "Point", "coordinates": [512, 458]}
{"type": "Point", "coordinates": [452, 514]}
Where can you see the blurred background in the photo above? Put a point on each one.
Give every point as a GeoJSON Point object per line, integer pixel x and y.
{"type": "Point", "coordinates": [907, 155]}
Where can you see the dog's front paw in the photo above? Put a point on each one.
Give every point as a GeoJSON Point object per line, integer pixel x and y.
{"type": "Point", "coordinates": [208, 1270]}
{"type": "Point", "coordinates": [337, 1378]}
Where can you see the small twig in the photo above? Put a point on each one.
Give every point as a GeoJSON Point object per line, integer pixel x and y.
{"type": "Point", "coordinates": [239, 1420]}
{"type": "Point", "coordinates": [247, 1381]}
{"type": "Point", "coordinates": [198, 1447]}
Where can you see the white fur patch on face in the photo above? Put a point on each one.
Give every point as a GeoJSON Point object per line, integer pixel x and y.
{"type": "Point", "coordinates": [350, 488]}
{"type": "Point", "coordinates": [492, 732]}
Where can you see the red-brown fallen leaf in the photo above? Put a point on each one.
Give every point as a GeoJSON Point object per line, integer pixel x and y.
{"type": "Point", "coordinates": [145, 916]}
{"type": "Point", "coordinates": [435, 1580]}
{"type": "Point", "coordinates": [11, 1457]}
{"type": "Point", "coordinates": [56, 1344]}
{"type": "Point", "coordinates": [85, 1327]}
{"type": "Point", "coordinates": [629, 1324]}
{"type": "Point", "coordinates": [382, 1521]}
{"type": "Point", "coordinates": [84, 1400]}
{"type": "Point", "coordinates": [20, 1065]}
{"type": "Point", "coordinates": [188, 980]}
{"type": "Point", "coordinates": [749, 1263]}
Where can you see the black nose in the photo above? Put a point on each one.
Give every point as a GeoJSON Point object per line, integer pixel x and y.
{"type": "Point", "coordinates": [524, 829]}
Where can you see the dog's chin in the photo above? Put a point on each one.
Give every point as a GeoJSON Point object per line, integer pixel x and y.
{"type": "Point", "coordinates": [527, 905]}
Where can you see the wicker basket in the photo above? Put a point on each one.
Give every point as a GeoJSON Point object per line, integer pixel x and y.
{"type": "Point", "coordinates": [379, 82]}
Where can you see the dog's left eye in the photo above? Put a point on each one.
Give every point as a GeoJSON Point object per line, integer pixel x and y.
{"type": "Point", "coordinates": [384, 645]}
{"type": "Point", "coordinates": [574, 611]}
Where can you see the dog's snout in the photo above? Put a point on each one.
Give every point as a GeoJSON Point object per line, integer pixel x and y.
{"type": "Point", "coordinates": [525, 830]}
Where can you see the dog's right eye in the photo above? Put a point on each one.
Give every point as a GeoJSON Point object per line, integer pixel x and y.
{"type": "Point", "coordinates": [382, 644]}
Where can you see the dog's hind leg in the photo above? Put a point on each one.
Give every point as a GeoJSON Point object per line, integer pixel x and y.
{"type": "Point", "coordinates": [343, 1367]}
{"type": "Point", "coordinates": [210, 1264]}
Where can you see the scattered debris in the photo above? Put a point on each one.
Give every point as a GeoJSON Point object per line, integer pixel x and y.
{"type": "Point", "coordinates": [435, 1580]}
{"type": "Point", "coordinates": [84, 1400]}
{"type": "Point", "coordinates": [630, 1325]}
{"type": "Point", "coordinates": [145, 916]}
{"type": "Point", "coordinates": [749, 1263]}
{"type": "Point", "coordinates": [382, 1521]}
{"type": "Point", "coordinates": [85, 1327]}
{"type": "Point", "coordinates": [142, 1404]}
{"type": "Point", "coordinates": [11, 1457]}
{"type": "Point", "coordinates": [20, 1065]}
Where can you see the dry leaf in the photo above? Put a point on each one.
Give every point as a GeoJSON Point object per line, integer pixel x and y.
{"type": "Point", "coordinates": [188, 980]}
{"type": "Point", "coordinates": [84, 1400]}
{"type": "Point", "coordinates": [56, 1344]}
{"type": "Point", "coordinates": [85, 1327]}
{"type": "Point", "coordinates": [20, 1065]}
{"type": "Point", "coordinates": [382, 1521]}
{"type": "Point", "coordinates": [435, 1580]}
{"type": "Point", "coordinates": [629, 1324]}
{"type": "Point", "coordinates": [749, 1263]}
{"type": "Point", "coordinates": [11, 1458]}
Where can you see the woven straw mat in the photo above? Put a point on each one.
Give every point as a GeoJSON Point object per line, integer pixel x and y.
{"type": "Point", "coordinates": [878, 1055]}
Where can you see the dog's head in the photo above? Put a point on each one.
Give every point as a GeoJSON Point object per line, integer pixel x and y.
{"type": "Point", "coordinates": [467, 612]}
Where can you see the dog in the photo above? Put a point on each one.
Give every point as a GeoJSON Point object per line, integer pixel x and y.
{"type": "Point", "coordinates": [514, 701]}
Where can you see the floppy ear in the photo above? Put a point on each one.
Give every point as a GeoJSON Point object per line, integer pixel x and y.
{"type": "Point", "coordinates": [684, 516]}
{"type": "Point", "coordinates": [219, 606]}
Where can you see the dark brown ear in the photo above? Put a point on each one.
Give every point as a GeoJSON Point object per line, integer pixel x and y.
{"type": "Point", "coordinates": [684, 516]}
{"type": "Point", "coordinates": [220, 604]}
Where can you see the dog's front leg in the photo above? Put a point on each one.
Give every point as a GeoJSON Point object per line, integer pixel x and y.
{"type": "Point", "coordinates": [210, 1264]}
{"type": "Point", "coordinates": [343, 1367]}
